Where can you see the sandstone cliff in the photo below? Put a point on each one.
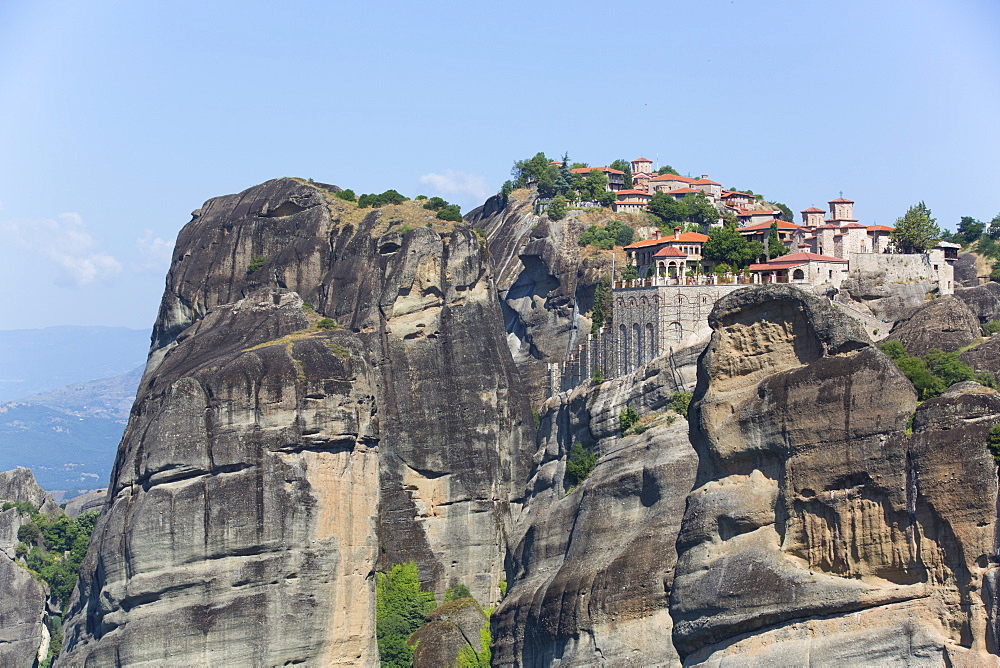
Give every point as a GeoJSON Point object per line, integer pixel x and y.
{"type": "Point", "coordinates": [818, 527]}
{"type": "Point", "coordinates": [272, 464]}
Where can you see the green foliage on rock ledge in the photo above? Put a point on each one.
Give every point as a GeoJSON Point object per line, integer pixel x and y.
{"type": "Point", "coordinates": [579, 463]}
{"type": "Point", "coordinates": [615, 233]}
{"type": "Point", "coordinates": [627, 419]}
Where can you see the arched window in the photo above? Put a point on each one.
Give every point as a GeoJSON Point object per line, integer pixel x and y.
{"type": "Point", "coordinates": [622, 349]}
{"type": "Point", "coordinates": [675, 331]}
{"type": "Point", "coordinates": [650, 342]}
{"type": "Point", "coordinates": [798, 275]}
{"type": "Point", "coordinates": [636, 355]}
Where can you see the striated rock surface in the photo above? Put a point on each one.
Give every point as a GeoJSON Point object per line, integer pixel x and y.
{"type": "Point", "coordinates": [945, 323]}
{"type": "Point", "coordinates": [270, 466]}
{"type": "Point", "coordinates": [818, 529]}
{"type": "Point", "coordinates": [887, 301]}
{"type": "Point", "coordinates": [985, 356]}
{"type": "Point", "coordinates": [591, 569]}
{"type": "Point", "coordinates": [89, 501]}
{"type": "Point", "coordinates": [544, 281]}
{"type": "Point", "coordinates": [966, 270]}
{"type": "Point", "coordinates": [24, 633]}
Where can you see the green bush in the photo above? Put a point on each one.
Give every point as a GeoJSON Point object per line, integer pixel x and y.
{"type": "Point", "coordinates": [991, 328]}
{"type": "Point", "coordinates": [388, 197]}
{"type": "Point", "coordinates": [993, 441]}
{"type": "Point", "coordinates": [326, 323]}
{"type": "Point", "coordinates": [456, 592]}
{"type": "Point", "coordinates": [256, 263]}
{"type": "Point", "coordinates": [924, 381]}
{"type": "Point", "coordinates": [347, 195]}
{"type": "Point", "coordinates": [615, 233]}
{"type": "Point", "coordinates": [579, 463]}
{"type": "Point", "coordinates": [557, 208]}
{"type": "Point", "coordinates": [894, 349]}
{"type": "Point", "coordinates": [28, 533]}
{"type": "Point", "coordinates": [435, 203]}
{"type": "Point", "coordinates": [627, 419]}
{"type": "Point", "coordinates": [451, 212]}
{"type": "Point", "coordinates": [948, 367]}
{"type": "Point", "coordinates": [679, 402]}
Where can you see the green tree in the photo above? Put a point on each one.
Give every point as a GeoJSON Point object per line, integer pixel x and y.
{"type": "Point", "coordinates": [894, 349]}
{"type": "Point", "coordinates": [994, 229]}
{"type": "Point", "coordinates": [547, 182]}
{"type": "Point", "coordinates": [700, 209]}
{"type": "Point", "coordinates": [456, 592]}
{"type": "Point", "coordinates": [450, 212]}
{"type": "Point", "coordinates": [630, 272]}
{"type": "Point", "coordinates": [669, 210]}
{"type": "Point", "coordinates": [528, 169]}
{"type": "Point", "coordinates": [627, 419]}
{"type": "Point", "coordinates": [916, 231]}
{"type": "Point", "coordinates": [948, 367]}
{"type": "Point", "coordinates": [774, 246]}
{"type": "Point", "coordinates": [346, 195]}
{"type": "Point", "coordinates": [602, 304]}
{"type": "Point", "coordinates": [400, 609]}
{"type": "Point", "coordinates": [924, 381]}
{"type": "Point", "coordinates": [579, 463]}
{"type": "Point", "coordinates": [564, 178]}
{"type": "Point", "coordinates": [786, 213]}
{"type": "Point", "coordinates": [557, 208]}
{"type": "Point", "coordinates": [679, 402]}
{"type": "Point", "coordinates": [667, 169]}
{"type": "Point", "coordinates": [595, 184]}
{"type": "Point", "coordinates": [726, 245]}
{"type": "Point", "coordinates": [969, 230]}
{"type": "Point", "coordinates": [435, 203]}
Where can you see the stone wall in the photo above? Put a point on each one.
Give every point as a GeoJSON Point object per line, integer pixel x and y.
{"type": "Point", "coordinates": [905, 268]}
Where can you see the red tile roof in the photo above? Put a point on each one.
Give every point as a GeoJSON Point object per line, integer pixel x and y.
{"type": "Point", "coordinates": [796, 259]}
{"type": "Point", "coordinates": [849, 225]}
{"type": "Point", "coordinates": [587, 170]}
{"type": "Point", "coordinates": [782, 225]}
{"type": "Point", "coordinates": [775, 266]}
{"type": "Point", "coordinates": [642, 160]}
{"type": "Point", "coordinates": [763, 212]}
{"type": "Point", "coordinates": [812, 210]}
{"type": "Point", "coordinates": [669, 251]}
{"type": "Point", "coordinates": [735, 193]}
{"type": "Point", "coordinates": [646, 242]}
{"type": "Point", "coordinates": [841, 200]}
{"type": "Point", "coordinates": [690, 237]}
{"type": "Point", "coordinates": [880, 228]}
{"type": "Point", "coordinates": [673, 177]}
{"type": "Point", "coordinates": [707, 182]}
{"type": "Point", "coordinates": [632, 192]}
{"type": "Point", "coordinates": [683, 191]}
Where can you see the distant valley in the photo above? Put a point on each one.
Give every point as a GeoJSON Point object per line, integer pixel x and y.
{"type": "Point", "coordinates": [65, 394]}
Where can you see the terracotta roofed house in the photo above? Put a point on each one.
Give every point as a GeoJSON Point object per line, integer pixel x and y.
{"type": "Point", "coordinates": [804, 267]}
{"type": "Point", "coordinates": [616, 178]}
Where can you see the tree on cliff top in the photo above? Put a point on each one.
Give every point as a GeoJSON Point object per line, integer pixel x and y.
{"type": "Point", "coordinates": [774, 246]}
{"type": "Point", "coordinates": [916, 231]}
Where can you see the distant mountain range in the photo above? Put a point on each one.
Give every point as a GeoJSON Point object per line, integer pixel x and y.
{"type": "Point", "coordinates": [33, 361]}
{"type": "Point", "coordinates": [54, 417]}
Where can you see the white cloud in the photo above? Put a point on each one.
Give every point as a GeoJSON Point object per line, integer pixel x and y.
{"type": "Point", "coordinates": [66, 242]}
{"type": "Point", "coordinates": [457, 184]}
{"type": "Point", "coordinates": [153, 253]}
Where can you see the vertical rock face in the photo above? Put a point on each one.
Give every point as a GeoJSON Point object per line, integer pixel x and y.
{"type": "Point", "coordinates": [24, 636]}
{"type": "Point", "coordinates": [270, 466]}
{"type": "Point", "coordinates": [544, 283]}
{"type": "Point", "coordinates": [818, 527]}
{"type": "Point", "coordinates": [591, 569]}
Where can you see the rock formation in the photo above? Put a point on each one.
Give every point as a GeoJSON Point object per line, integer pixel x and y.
{"type": "Point", "coordinates": [544, 282]}
{"type": "Point", "coordinates": [945, 323]}
{"type": "Point", "coordinates": [591, 569]}
{"type": "Point", "coordinates": [817, 526]}
{"type": "Point", "coordinates": [983, 300]}
{"type": "Point", "coordinates": [24, 632]}
{"type": "Point", "coordinates": [274, 460]}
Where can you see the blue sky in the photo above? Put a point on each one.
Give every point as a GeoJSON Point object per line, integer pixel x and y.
{"type": "Point", "coordinates": [118, 118]}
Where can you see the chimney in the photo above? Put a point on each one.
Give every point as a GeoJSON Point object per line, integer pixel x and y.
{"type": "Point", "coordinates": [704, 176]}
{"type": "Point", "coordinates": [677, 232]}
{"type": "Point", "coordinates": [656, 233]}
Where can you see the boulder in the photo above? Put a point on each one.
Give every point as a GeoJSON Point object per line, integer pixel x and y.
{"type": "Point", "coordinates": [966, 270]}
{"type": "Point", "coordinates": [450, 628]}
{"type": "Point", "coordinates": [945, 323]}
{"type": "Point", "coordinates": [90, 501]}
{"type": "Point", "coordinates": [983, 300]}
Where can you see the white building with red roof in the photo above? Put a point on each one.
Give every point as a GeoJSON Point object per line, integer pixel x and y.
{"type": "Point", "coordinates": [616, 177]}
{"type": "Point", "coordinates": [803, 268]}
